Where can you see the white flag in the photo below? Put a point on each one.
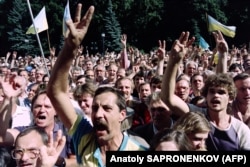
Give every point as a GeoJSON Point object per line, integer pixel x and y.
{"type": "Point", "coordinates": [40, 22]}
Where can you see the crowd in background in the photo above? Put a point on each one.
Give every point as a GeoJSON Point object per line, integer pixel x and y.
{"type": "Point", "coordinates": [154, 92]}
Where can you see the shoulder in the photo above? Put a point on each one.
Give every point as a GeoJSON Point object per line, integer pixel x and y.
{"type": "Point", "coordinates": [195, 108]}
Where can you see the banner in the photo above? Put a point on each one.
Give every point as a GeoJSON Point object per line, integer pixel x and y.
{"type": "Point", "coordinates": [66, 17]}
{"type": "Point", "coordinates": [40, 22]}
{"type": "Point", "coordinates": [214, 25]}
{"type": "Point", "coordinates": [203, 44]}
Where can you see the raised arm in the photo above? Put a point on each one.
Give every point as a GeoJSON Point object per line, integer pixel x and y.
{"type": "Point", "coordinates": [178, 51]}
{"type": "Point", "coordinates": [124, 55]}
{"type": "Point", "coordinates": [161, 52]}
{"type": "Point", "coordinates": [222, 48]}
{"type": "Point", "coordinates": [11, 90]}
{"type": "Point", "coordinates": [58, 86]}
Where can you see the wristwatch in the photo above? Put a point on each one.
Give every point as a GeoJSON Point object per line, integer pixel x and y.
{"type": "Point", "coordinates": [60, 162]}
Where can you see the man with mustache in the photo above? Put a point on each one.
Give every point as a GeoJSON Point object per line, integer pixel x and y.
{"type": "Point", "coordinates": [108, 107]}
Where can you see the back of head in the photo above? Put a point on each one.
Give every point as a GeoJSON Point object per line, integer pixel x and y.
{"type": "Point", "coordinates": [168, 135]}
{"type": "Point", "coordinates": [38, 130]}
{"type": "Point", "coordinates": [192, 122]}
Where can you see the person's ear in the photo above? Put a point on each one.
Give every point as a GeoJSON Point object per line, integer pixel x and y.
{"type": "Point", "coordinates": [123, 115]}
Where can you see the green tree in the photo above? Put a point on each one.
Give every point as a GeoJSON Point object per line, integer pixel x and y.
{"type": "Point", "coordinates": [16, 35]}
{"type": "Point", "coordinates": [112, 29]}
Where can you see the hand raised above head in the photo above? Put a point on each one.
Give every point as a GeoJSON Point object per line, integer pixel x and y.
{"type": "Point", "coordinates": [78, 29]}
{"type": "Point", "coordinates": [161, 50]}
{"type": "Point", "coordinates": [221, 43]}
{"type": "Point", "coordinates": [180, 47]}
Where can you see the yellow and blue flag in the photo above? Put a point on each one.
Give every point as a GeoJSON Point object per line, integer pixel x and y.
{"type": "Point", "coordinates": [66, 17]}
{"type": "Point", "coordinates": [40, 22]}
{"type": "Point", "coordinates": [203, 44]}
{"type": "Point", "coordinates": [214, 25]}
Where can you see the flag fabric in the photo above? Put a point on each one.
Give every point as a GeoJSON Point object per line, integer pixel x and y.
{"type": "Point", "coordinates": [203, 44]}
{"type": "Point", "coordinates": [40, 22]}
{"type": "Point", "coordinates": [66, 17]}
{"type": "Point", "coordinates": [214, 25]}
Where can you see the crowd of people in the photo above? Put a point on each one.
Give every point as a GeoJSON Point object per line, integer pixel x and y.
{"type": "Point", "coordinates": [71, 108]}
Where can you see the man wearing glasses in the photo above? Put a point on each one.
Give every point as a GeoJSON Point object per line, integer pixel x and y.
{"type": "Point", "coordinates": [33, 147]}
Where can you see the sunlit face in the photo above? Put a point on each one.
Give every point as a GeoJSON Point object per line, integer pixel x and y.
{"type": "Point", "coordinates": [89, 65]}
{"type": "Point", "coordinates": [198, 140]}
{"type": "Point", "coordinates": [90, 74]}
{"type": "Point", "coordinates": [191, 69]}
{"type": "Point", "coordinates": [167, 146]}
{"type": "Point", "coordinates": [106, 117]}
{"type": "Point", "coordinates": [39, 75]}
{"type": "Point", "coordinates": [76, 73]}
{"type": "Point", "coordinates": [197, 82]}
{"type": "Point", "coordinates": [32, 91]}
{"type": "Point", "coordinates": [144, 92]}
{"type": "Point", "coordinates": [112, 72]}
{"type": "Point", "coordinates": [182, 89]}
{"type": "Point", "coordinates": [217, 99]}
{"type": "Point", "coordinates": [31, 143]}
{"type": "Point", "coordinates": [125, 86]}
{"type": "Point", "coordinates": [139, 80]}
{"type": "Point", "coordinates": [43, 111]}
{"type": "Point", "coordinates": [85, 102]}
{"type": "Point", "coordinates": [46, 80]}
{"type": "Point", "coordinates": [121, 73]}
{"type": "Point", "coordinates": [200, 70]}
{"type": "Point", "coordinates": [33, 73]}
{"type": "Point", "coordinates": [155, 87]}
{"type": "Point", "coordinates": [243, 91]}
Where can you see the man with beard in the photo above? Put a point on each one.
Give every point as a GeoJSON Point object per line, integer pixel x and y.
{"type": "Point", "coordinates": [108, 107]}
{"type": "Point", "coordinates": [228, 133]}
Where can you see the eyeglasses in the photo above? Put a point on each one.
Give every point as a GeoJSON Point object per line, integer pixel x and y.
{"type": "Point", "coordinates": [159, 109]}
{"type": "Point", "coordinates": [31, 152]}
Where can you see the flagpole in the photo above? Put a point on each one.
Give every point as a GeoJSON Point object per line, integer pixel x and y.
{"type": "Point", "coordinates": [37, 36]}
{"type": "Point", "coordinates": [48, 38]}
{"type": "Point", "coordinates": [210, 41]}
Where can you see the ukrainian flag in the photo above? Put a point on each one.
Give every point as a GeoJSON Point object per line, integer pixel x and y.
{"type": "Point", "coordinates": [203, 44]}
{"type": "Point", "coordinates": [66, 17]}
{"type": "Point", "coordinates": [214, 25]}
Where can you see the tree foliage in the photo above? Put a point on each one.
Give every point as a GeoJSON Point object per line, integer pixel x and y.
{"type": "Point", "coordinates": [112, 29]}
{"type": "Point", "coordinates": [144, 21]}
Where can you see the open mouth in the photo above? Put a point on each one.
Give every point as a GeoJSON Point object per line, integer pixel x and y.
{"type": "Point", "coordinates": [215, 102]}
{"type": "Point", "coordinates": [41, 117]}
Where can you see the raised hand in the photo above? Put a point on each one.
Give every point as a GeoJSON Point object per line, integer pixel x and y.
{"type": "Point", "coordinates": [78, 29]}
{"type": "Point", "coordinates": [180, 47]}
{"type": "Point", "coordinates": [221, 43]}
{"type": "Point", "coordinates": [124, 40]}
{"type": "Point", "coordinates": [12, 86]}
{"type": "Point", "coordinates": [50, 153]}
{"type": "Point", "coordinates": [52, 51]}
{"type": "Point", "coordinates": [161, 50]}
